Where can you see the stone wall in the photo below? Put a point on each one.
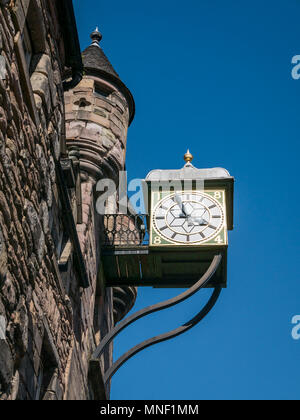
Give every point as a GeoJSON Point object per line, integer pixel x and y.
{"type": "Point", "coordinates": [46, 317]}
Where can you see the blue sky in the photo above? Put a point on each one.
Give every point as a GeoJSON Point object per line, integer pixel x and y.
{"type": "Point", "coordinates": [215, 76]}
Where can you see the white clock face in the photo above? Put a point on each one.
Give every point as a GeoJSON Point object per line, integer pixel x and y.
{"type": "Point", "coordinates": [189, 218]}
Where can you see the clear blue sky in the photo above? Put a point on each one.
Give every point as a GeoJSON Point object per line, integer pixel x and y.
{"type": "Point", "coordinates": [215, 76]}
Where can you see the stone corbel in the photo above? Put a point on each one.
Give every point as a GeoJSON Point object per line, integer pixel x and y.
{"type": "Point", "coordinates": [97, 162]}
{"type": "Point", "coordinates": [69, 173]}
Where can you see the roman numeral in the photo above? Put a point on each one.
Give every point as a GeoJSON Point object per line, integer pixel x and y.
{"type": "Point", "coordinates": [212, 207]}
{"type": "Point", "coordinates": [212, 227]}
{"type": "Point", "coordinates": [216, 217]}
{"type": "Point", "coordinates": [163, 228]}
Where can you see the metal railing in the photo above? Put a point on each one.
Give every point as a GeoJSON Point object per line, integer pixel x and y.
{"type": "Point", "coordinates": [125, 230]}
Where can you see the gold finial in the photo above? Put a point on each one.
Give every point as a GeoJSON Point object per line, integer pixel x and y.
{"type": "Point", "coordinates": [188, 157]}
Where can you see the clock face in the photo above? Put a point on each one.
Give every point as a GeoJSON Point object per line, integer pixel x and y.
{"type": "Point", "coordinates": [189, 218]}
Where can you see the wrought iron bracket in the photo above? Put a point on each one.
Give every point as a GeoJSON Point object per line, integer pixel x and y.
{"type": "Point", "coordinates": [155, 308]}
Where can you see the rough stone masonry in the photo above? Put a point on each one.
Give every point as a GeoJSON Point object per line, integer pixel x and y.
{"type": "Point", "coordinates": [54, 307]}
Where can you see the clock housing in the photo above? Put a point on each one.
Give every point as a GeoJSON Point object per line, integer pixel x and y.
{"type": "Point", "coordinates": [189, 214]}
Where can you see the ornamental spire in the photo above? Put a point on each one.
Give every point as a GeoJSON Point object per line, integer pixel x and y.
{"type": "Point", "coordinates": [188, 157]}
{"type": "Point", "coordinates": [96, 37]}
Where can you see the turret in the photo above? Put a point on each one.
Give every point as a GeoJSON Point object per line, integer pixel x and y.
{"type": "Point", "coordinates": [98, 113]}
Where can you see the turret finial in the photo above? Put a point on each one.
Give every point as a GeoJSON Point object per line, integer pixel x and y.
{"type": "Point", "coordinates": [188, 157]}
{"type": "Point", "coordinates": [96, 36]}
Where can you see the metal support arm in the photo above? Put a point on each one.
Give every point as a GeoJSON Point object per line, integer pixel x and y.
{"type": "Point", "coordinates": [158, 307]}
{"type": "Point", "coordinates": [164, 337]}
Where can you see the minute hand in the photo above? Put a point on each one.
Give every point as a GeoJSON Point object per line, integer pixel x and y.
{"type": "Point", "coordinates": [181, 205]}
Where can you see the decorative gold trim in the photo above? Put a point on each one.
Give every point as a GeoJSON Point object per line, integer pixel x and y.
{"type": "Point", "coordinates": [188, 157]}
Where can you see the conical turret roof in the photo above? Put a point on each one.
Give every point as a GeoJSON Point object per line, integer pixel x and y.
{"type": "Point", "coordinates": [96, 63]}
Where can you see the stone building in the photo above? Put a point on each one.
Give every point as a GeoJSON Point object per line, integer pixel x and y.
{"type": "Point", "coordinates": [60, 133]}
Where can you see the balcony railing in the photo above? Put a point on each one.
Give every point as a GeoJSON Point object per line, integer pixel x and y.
{"type": "Point", "coordinates": [125, 230]}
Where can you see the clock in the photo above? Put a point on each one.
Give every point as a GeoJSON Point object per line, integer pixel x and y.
{"type": "Point", "coordinates": [188, 218]}
{"type": "Point", "coordinates": [188, 214]}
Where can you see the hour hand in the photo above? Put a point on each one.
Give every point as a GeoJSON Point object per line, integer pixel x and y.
{"type": "Point", "coordinates": [198, 220]}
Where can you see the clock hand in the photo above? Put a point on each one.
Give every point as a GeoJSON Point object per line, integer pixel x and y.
{"type": "Point", "coordinates": [181, 205]}
{"type": "Point", "coordinates": [185, 211]}
{"type": "Point", "coordinates": [178, 201]}
{"type": "Point", "coordinates": [201, 222]}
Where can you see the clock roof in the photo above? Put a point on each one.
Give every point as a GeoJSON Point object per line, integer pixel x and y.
{"type": "Point", "coordinates": [188, 172]}
{"type": "Point", "coordinates": [212, 177]}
